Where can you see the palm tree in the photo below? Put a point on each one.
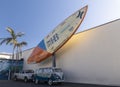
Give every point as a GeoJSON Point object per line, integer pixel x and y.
{"type": "Point", "coordinates": [13, 40]}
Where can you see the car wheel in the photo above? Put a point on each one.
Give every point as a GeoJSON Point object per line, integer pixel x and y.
{"type": "Point", "coordinates": [50, 82]}
{"type": "Point", "coordinates": [33, 78]}
{"type": "Point", "coordinates": [36, 81]}
{"type": "Point", "coordinates": [25, 79]}
{"type": "Point", "coordinates": [15, 78]}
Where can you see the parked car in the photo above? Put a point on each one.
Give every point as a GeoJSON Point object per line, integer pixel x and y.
{"type": "Point", "coordinates": [50, 75]}
{"type": "Point", "coordinates": [25, 75]}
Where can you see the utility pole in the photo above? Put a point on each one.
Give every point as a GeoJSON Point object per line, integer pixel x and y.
{"type": "Point", "coordinates": [53, 60]}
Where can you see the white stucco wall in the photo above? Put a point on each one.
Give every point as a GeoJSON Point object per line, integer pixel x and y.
{"type": "Point", "coordinates": [92, 56]}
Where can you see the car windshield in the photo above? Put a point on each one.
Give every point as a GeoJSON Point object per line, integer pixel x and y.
{"type": "Point", "coordinates": [57, 70]}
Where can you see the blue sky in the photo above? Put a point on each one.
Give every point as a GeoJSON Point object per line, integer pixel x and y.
{"type": "Point", "coordinates": [36, 18]}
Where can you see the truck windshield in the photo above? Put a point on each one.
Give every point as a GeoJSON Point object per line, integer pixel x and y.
{"type": "Point", "coordinates": [29, 71]}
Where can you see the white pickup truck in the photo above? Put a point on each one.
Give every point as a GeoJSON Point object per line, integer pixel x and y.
{"type": "Point", "coordinates": [25, 75]}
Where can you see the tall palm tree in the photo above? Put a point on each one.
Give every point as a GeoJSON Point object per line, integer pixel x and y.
{"type": "Point", "coordinates": [13, 40]}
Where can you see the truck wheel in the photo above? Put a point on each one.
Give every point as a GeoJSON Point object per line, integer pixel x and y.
{"type": "Point", "coordinates": [36, 81]}
{"type": "Point", "coordinates": [25, 79]}
{"type": "Point", "coordinates": [50, 82]}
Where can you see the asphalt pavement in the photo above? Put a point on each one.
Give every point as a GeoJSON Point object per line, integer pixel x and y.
{"type": "Point", "coordinates": [10, 83]}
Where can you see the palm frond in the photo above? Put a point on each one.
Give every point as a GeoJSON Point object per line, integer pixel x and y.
{"type": "Point", "coordinates": [9, 41]}
{"type": "Point", "coordinates": [2, 38]}
{"type": "Point", "coordinates": [5, 40]}
{"type": "Point", "coordinates": [21, 44]}
{"type": "Point", "coordinates": [11, 31]}
{"type": "Point", "coordinates": [19, 34]}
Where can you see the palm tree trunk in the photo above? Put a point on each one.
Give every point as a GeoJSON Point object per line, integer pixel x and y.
{"type": "Point", "coordinates": [11, 66]}
{"type": "Point", "coordinates": [17, 58]}
{"type": "Point", "coordinates": [20, 50]}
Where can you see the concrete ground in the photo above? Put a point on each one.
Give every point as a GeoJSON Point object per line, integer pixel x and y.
{"type": "Point", "coordinates": [10, 83]}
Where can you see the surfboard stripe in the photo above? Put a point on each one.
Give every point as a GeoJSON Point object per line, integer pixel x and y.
{"type": "Point", "coordinates": [42, 45]}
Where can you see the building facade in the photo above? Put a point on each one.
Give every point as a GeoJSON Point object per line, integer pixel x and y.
{"type": "Point", "coordinates": [91, 56]}
{"type": "Point", "coordinates": [4, 55]}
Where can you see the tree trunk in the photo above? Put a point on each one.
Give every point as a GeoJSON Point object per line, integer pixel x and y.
{"type": "Point", "coordinates": [11, 66]}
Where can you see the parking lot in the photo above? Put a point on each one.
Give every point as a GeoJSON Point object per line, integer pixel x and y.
{"type": "Point", "coordinates": [10, 83]}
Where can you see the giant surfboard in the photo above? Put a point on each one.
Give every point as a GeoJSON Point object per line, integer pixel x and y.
{"type": "Point", "coordinates": [58, 37]}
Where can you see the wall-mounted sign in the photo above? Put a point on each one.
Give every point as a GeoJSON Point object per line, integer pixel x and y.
{"type": "Point", "coordinates": [58, 37]}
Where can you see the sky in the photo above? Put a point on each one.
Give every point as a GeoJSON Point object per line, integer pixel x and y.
{"type": "Point", "coordinates": [36, 18]}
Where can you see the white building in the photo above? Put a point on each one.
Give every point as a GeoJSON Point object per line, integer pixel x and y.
{"type": "Point", "coordinates": [4, 55]}
{"type": "Point", "coordinates": [91, 56]}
